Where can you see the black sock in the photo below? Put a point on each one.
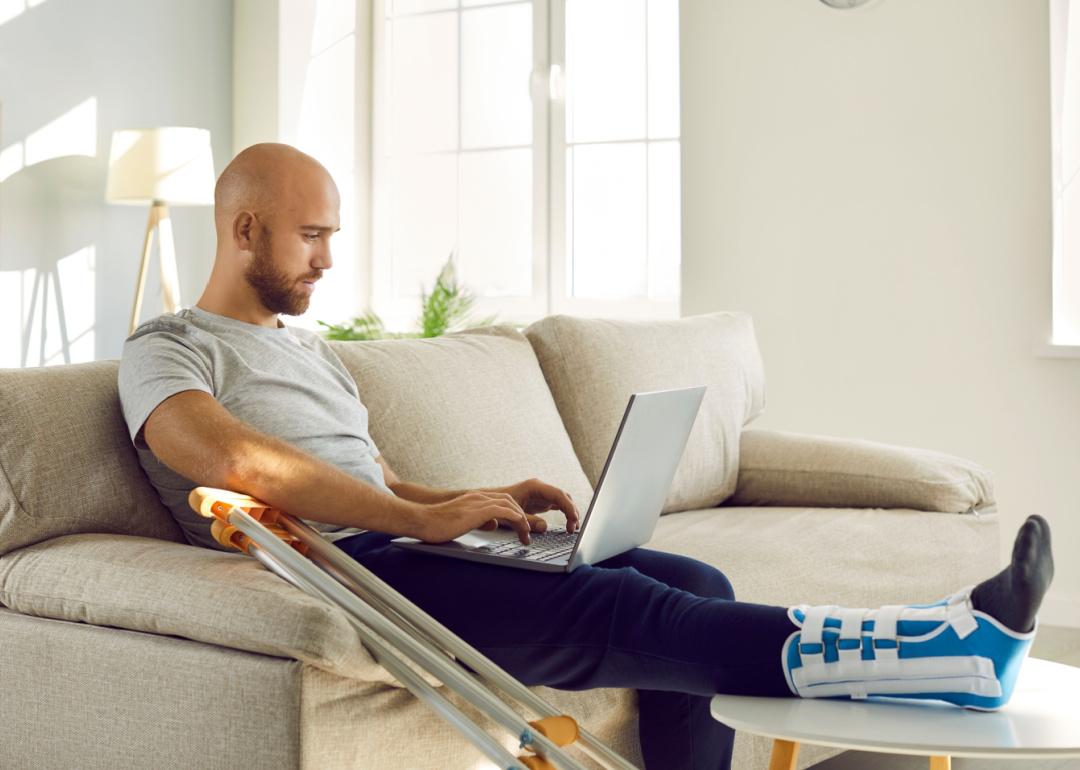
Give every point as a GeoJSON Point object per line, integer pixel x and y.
{"type": "Point", "coordinates": [1013, 595]}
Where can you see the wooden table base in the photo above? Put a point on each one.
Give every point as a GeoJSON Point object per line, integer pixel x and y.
{"type": "Point", "coordinates": [785, 755]}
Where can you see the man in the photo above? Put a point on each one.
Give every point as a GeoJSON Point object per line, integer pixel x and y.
{"type": "Point", "coordinates": [223, 394]}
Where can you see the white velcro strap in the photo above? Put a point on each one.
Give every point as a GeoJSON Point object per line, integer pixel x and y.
{"type": "Point", "coordinates": [814, 624]}
{"type": "Point", "coordinates": [885, 633]}
{"type": "Point", "coordinates": [960, 617]}
{"type": "Point", "coordinates": [849, 645]}
{"type": "Point", "coordinates": [812, 642]}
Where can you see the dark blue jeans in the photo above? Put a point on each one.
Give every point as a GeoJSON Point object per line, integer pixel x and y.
{"type": "Point", "coordinates": [665, 625]}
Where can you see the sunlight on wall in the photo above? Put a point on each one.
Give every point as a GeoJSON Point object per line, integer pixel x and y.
{"type": "Point", "coordinates": [9, 9]}
{"type": "Point", "coordinates": [54, 309]}
{"type": "Point", "coordinates": [73, 133]}
{"type": "Point", "coordinates": [77, 280]}
{"type": "Point", "coordinates": [10, 318]}
{"type": "Point", "coordinates": [11, 160]}
{"type": "Point", "coordinates": [51, 304]}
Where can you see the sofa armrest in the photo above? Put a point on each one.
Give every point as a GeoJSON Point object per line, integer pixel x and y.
{"type": "Point", "coordinates": [161, 587]}
{"type": "Point", "coordinates": [779, 468]}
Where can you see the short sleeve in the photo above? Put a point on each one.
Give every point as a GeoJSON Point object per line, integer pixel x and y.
{"type": "Point", "coordinates": [158, 363]}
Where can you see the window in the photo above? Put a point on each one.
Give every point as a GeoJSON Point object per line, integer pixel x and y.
{"type": "Point", "coordinates": [1065, 103]}
{"type": "Point", "coordinates": [556, 194]}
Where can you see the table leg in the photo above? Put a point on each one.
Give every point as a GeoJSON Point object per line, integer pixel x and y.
{"type": "Point", "coordinates": [785, 754]}
{"type": "Point", "coordinates": [940, 763]}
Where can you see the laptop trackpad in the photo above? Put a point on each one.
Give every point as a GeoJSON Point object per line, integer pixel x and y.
{"type": "Point", "coordinates": [470, 540]}
{"type": "Point", "coordinates": [476, 539]}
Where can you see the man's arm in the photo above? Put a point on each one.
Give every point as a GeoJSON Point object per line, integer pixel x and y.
{"type": "Point", "coordinates": [533, 495]}
{"type": "Point", "coordinates": [418, 493]}
{"type": "Point", "coordinates": [197, 437]}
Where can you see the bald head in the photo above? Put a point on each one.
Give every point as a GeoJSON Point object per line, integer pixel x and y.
{"type": "Point", "coordinates": [264, 179]}
{"type": "Point", "coordinates": [275, 209]}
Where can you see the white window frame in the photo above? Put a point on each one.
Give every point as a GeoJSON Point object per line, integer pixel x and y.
{"type": "Point", "coordinates": [1064, 262]}
{"type": "Point", "coordinates": [549, 263]}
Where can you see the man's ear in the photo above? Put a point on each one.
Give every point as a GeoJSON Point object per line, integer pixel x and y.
{"type": "Point", "coordinates": [243, 230]}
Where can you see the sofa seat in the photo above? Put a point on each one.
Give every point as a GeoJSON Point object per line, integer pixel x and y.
{"type": "Point", "coordinates": [225, 600]}
{"type": "Point", "coordinates": [172, 589]}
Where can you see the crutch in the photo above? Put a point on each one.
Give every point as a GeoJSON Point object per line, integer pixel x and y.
{"type": "Point", "coordinates": [390, 626]}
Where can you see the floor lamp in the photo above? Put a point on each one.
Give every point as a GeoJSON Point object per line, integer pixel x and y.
{"type": "Point", "coordinates": [162, 167]}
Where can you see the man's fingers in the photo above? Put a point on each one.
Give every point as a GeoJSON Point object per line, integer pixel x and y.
{"type": "Point", "coordinates": [520, 524]}
{"type": "Point", "coordinates": [500, 496]}
{"type": "Point", "coordinates": [561, 500]}
{"type": "Point", "coordinates": [514, 519]}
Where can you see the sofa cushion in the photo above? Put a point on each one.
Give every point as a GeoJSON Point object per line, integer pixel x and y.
{"type": "Point", "coordinates": [463, 411]}
{"type": "Point", "coordinates": [847, 556]}
{"type": "Point", "coordinates": [66, 463]}
{"type": "Point", "coordinates": [159, 587]}
{"type": "Point", "coordinates": [780, 468]}
{"type": "Point", "coordinates": [593, 366]}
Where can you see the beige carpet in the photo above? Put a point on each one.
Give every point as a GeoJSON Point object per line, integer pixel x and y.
{"type": "Point", "coordinates": [1058, 644]}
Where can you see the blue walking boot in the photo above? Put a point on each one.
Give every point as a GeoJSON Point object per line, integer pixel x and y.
{"type": "Point", "coordinates": [943, 651]}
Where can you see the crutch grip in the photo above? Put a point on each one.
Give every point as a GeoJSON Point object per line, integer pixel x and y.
{"type": "Point", "coordinates": [229, 536]}
{"type": "Point", "coordinates": [560, 730]}
{"type": "Point", "coordinates": [215, 504]}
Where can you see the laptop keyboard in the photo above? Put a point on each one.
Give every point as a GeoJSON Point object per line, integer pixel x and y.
{"type": "Point", "coordinates": [552, 545]}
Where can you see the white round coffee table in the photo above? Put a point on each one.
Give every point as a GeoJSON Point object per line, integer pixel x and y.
{"type": "Point", "coordinates": [1041, 721]}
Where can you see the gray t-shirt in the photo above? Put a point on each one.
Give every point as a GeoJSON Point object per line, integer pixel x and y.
{"type": "Point", "coordinates": [285, 382]}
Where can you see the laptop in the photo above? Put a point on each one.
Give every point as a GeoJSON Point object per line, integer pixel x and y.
{"type": "Point", "coordinates": [625, 506]}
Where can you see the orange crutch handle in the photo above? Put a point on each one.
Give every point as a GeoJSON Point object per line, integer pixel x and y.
{"type": "Point", "coordinates": [560, 730]}
{"type": "Point", "coordinates": [215, 503]}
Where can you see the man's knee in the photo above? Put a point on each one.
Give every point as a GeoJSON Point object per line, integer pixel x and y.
{"type": "Point", "coordinates": [707, 581]}
{"type": "Point", "coordinates": [719, 587]}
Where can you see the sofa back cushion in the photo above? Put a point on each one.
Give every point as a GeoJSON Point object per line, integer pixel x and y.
{"type": "Point", "coordinates": [67, 465]}
{"type": "Point", "coordinates": [463, 411]}
{"type": "Point", "coordinates": [593, 366]}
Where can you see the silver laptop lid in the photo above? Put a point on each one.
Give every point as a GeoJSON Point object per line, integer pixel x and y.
{"type": "Point", "coordinates": [637, 475]}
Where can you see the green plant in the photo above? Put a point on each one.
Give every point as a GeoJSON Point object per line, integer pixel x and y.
{"type": "Point", "coordinates": [445, 309]}
{"type": "Point", "coordinates": [364, 327]}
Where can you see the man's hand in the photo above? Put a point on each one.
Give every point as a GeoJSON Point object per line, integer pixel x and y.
{"type": "Point", "coordinates": [534, 496]}
{"type": "Point", "coordinates": [480, 509]}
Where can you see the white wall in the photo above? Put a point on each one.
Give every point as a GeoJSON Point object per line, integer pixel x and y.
{"type": "Point", "coordinates": [874, 187]}
{"type": "Point", "coordinates": [70, 73]}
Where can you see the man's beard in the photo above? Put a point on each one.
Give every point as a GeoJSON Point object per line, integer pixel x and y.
{"type": "Point", "coordinates": [277, 291]}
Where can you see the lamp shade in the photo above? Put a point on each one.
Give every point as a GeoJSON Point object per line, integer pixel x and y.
{"type": "Point", "coordinates": [172, 165]}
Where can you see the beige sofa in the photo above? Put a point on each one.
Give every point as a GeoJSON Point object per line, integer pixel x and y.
{"type": "Point", "coordinates": [122, 646]}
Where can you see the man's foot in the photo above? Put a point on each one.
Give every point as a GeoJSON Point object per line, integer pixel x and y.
{"type": "Point", "coordinates": [1013, 595]}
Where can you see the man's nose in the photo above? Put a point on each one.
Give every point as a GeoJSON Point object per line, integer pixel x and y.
{"type": "Point", "coordinates": [323, 260]}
